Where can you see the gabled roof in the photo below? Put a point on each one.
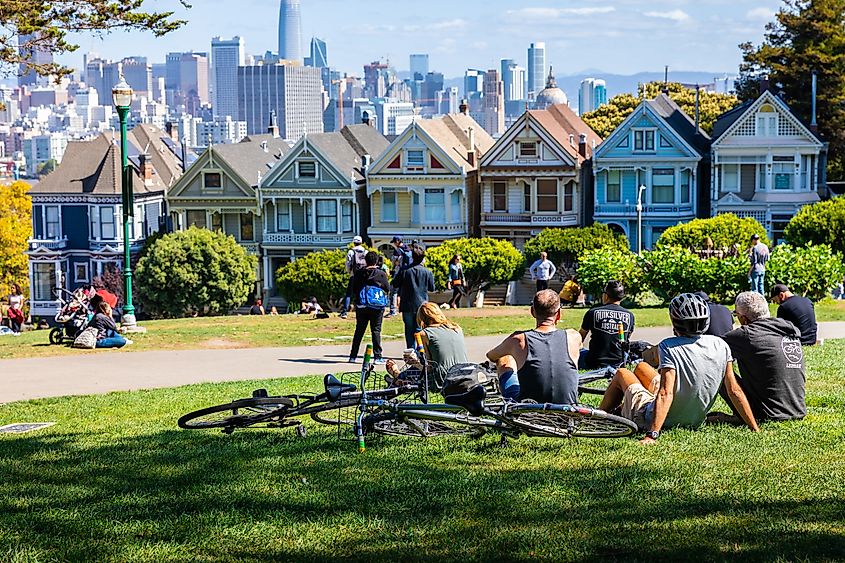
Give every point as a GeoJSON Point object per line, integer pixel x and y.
{"type": "Point", "coordinates": [724, 121]}
{"type": "Point", "coordinates": [451, 133]}
{"type": "Point", "coordinates": [344, 148]}
{"type": "Point", "coordinates": [728, 121]}
{"type": "Point", "coordinates": [253, 156]}
{"type": "Point", "coordinates": [680, 122]}
{"type": "Point", "coordinates": [166, 154]}
{"type": "Point", "coordinates": [560, 122]}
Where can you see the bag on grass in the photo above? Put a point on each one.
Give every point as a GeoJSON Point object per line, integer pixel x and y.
{"type": "Point", "coordinates": [87, 339]}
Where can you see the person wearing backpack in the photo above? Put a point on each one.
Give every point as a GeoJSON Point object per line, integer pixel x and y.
{"type": "Point", "coordinates": [371, 289]}
{"type": "Point", "coordinates": [401, 260]}
{"type": "Point", "coordinates": [355, 261]}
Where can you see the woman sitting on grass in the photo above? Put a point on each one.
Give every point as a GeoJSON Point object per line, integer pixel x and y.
{"type": "Point", "coordinates": [107, 336]}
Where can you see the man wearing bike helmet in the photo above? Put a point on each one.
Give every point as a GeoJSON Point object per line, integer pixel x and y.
{"type": "Point", "coordinates": [692, 367]}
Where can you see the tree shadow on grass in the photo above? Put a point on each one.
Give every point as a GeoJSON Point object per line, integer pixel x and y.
{"type": "Point", "coordinates": [267, 496]}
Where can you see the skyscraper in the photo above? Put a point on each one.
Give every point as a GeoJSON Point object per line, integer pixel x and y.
{"type": "Point", "coordinates": [536, 68]}
{"type": "Point", "coordinates": [36, 55]}
{"type": "Point", "coordinates": [419, 66]}
{"type": "Point", "coordinates": [319, 56]}
{"type": "Point", "coordinates": [513, 79]}
{"type": "Point", "coordinates": [494, 103]}
{"type": "Point", "coordinates": [226, 56]}
{"type": "Point", "coordinates": [292, 92]}
{"type": "Point", "coordinates": [290, 31]}
{"type": "Point", "coordinates": [591, 95]}
{"type": "Point", "coordinates": [473, 83]}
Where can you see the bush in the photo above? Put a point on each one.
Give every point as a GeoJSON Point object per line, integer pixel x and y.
{"type": "Point", "coordinates": [317, 274]}
{"type": "Point", "coordinates": [599, 266]}
{"type": "Point", "coordinates": [568, 245]}
{"type": "Point", "coordinates": [724, 230]}
{"type": "Point", "coordinates": [812, 271]}
{"type": "Point", "coordinates": [670, 271]}
{"type": "Point", "coordinates": [194, 272]}
{"type": "Point", "coordinates": [820, 223]}
{"type": "Point", "coordinates": [486, 262]}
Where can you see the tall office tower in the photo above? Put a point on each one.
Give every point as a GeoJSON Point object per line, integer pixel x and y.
{"type": "Point", "coordinates": [319, 57]}
{"type": "Point", "coordinates": [536, 68]}
{"type": "Point", "coordinates": [473, 83]}
{"type": "Point", "coordinates": [293, 92]}
{"type": "Point", "coordinates": [513, 79]}
{"type": "Point", "coordinates": [375, 79]}
{"type": "Point", "coordinates": [494, 103]}
{"type": "Point", "coordinates": [226, 56]}
{"type": "Point", "coordinates": [290, 31]}
{"type": "Point", "coordinates": [102, 75]}
{"type": "Point", "coordinates": [36, 55]}
{"type": "Point", "coordinates": [419, 66]}
{"type": "Point", "coordinates": [433, 83]}
{"type": "Point", "coordinates": [591, 95]}
{"type": "Point", "coordinates": [393, 117]}
{"type": "Point", "coordinates": [138, 73]}
{"type": "Point", "coordinates": [186, 81]}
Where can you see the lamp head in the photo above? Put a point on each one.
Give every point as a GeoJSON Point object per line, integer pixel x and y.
{"type": "Point", "coordinates": [121, 94]}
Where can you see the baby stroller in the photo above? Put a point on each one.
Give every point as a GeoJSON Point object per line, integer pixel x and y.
{"type": "Point", "coordinates": [73, 314]}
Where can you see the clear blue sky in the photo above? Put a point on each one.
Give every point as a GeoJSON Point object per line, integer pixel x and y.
{"type": "Point", "coordinates": [617, 36]}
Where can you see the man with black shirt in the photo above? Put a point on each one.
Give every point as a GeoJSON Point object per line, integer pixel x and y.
{"type": "Point", "coordinates": [602, 323]}
{"type": "Point", "coordinates": [798, 310]}
{"type": "Point", "coordinates": [413, 285]}
{"type": "Point", "coordinates": [770, 358]}
{"type": "Point", "coordinates": [721, 321]}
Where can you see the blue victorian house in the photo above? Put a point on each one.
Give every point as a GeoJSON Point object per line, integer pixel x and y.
{"type": "Point", "coordinates": [659, 151]}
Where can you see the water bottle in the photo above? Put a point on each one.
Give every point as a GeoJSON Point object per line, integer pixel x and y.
{"type": "Point", "coordinates": [368, 355]}
{"type": "Point", "coordinates": [621, 333]}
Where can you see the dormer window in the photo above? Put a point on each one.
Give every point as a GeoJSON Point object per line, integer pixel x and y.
{"type": "Point", "coordinates": [528, 150]}
{"type": "Point", "coordinates": [644, 140]}
{"type": "Point", "coordinates": [415, 159]}
{"type": "Point", "coordinates": [307, 169]}
{"type": "Point", "coordinates": [767, 121]}
{"type": "Point", "coordinates": [212, 180]}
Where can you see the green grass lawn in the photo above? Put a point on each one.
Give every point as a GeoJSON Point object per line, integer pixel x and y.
{"type": "Point", "coordinates": [115, 480]}
{"type": "Point", "coordinates": [292, 330]}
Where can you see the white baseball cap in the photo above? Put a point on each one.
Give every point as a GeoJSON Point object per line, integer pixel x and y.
{"type": "Point", "coordinates": [357, 240]}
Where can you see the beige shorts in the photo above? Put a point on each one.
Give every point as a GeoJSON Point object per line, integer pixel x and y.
{"type": "Point", "coordinates": [638, 406]}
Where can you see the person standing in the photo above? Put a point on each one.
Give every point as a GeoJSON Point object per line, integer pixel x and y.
{"type": "Point", "coordinates": [457, 282]}
{"type": "Point", "coordinates": [413, 285]}
{"type": "Point", "coordinates": [401, 259]}
{"type": "Point", "coordinates": [15, 313]}
{"type": "Point", "coordinates": [543, 270]}
{"type": "Point", "coordinates": [758, 255]}
{"type": "Point", "coordinates": [370, 288]}
{"type": "Point", "coordinates": [354, 262]}
{"type": "Point", "coordinates": [798, 310]}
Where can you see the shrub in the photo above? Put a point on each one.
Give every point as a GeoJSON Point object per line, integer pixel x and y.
{"type": "Point", "coordinates": [670, 271]}
{"type": "Point", "coordinates": [486, 262]}
{"type": "Point", "coordinates": [812, 271]}
{"type": "Point", "coordinates": [599, 266]}
{"type": "Point", "coordinates": [724, 230]}
{"type": "Point", "coordinates": [820, 223]}
{"type": "Point", "coordinates": [568, 245]}
{"type": "Point", "coordinates": [317, 274]}
{"type": "Point", "coordinates": [194, 272]}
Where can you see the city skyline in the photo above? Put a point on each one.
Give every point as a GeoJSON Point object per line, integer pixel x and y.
{"type": "Point", "coordinates": [622, 37]}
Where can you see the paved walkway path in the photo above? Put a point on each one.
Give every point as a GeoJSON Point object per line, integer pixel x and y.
{"type": "Point", "coordinates": [34, 378]}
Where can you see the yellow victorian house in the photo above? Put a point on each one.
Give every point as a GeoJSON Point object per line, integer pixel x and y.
{"type": "Point", "coordinates": [425, 185]}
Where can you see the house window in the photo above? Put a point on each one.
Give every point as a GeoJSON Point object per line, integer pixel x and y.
{"type": "Point", "coordinates": [51, 222]}
{"type": "Point", "coordinates": [80, 272]}
{"type": "Point", "coordinates": [500, 196]}
{"type": "Point", "coordinates": [388, 207]}
{"type": "Point", "coordinates": [247, 227]}
{"type": "Point", "coordinates": [326, 216]}
{"type": "Point", "coordinates": [663, 185]}
{"type": "Point", "coordinates": [656, 233]}
{"type": "Point", "coordinates": [526, 198]}
{"type": "Point", "coordinates": [644, 140]}
{"type": "Point", "coordinates": [43, 280]}
{"type": "Point", "coordinates": [614, 186]}
{"type": "Point", "coordinates": [685, 186]}
{"type": "Point", "coordinates": [435, 205]}
{"type": "Point", "coordinates": [782, 175]}
{"type": "Point", "coordinates": [569, 197]}
{"type": "Point", "coordinates": [664, 142]}
{"type": "Point", "coordinates": [195, 218]}
{"type": "Point", "coordinates": [528, 150]}
{"type": "Point", "coordinates": [212, 180]}
{"type": "Point", "coordinates": [216, 222]}
{"type": "Point", "coordinates": [282, 217]}
{"type": "Point", "coordinates": [730, 177]}
{"type": "Point", "coordinates": [415, 207]}
{"type": "Point", "coordinates": [107, 227]}
{"type": "Point", "coordinates": [306, 212]}
{"type": "Point", "coordinates": [767, 121]}
{"type": "Point", "coordinates": [307, 169]}
{"type": "Point", "coordinates": [456, 206]}
{"type": "Point", "coordinates": [547, 196]}
{"type": "Point", "coordinates": [416, 159]}
{"type": "Point", "coordinates": [346, 209]}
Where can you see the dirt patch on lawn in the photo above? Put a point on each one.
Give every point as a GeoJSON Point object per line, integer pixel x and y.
{"type": "Point", "coordinates": [222, 344]}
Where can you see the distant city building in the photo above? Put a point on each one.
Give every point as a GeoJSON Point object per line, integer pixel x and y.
{"type": "Point", "coordinates": [393, 117]}
{"type": "Point", "coordinates": [513, 79]}
{"type": "Point", "coordinates": [292, 92]}
{"type": "Point", "coordinates": [433, 83]}
{"type": "Point", "coordinates": [419, 66]}
{"type": "Point", "coordinates": [40, 149]}
{"type": "Point", "coordinates": [319, 56]}
{"type": "Point", "coordinates": [186, 81]}
{"type": "Point", "coordinates": [221, 131]}
{"type": "Point", "coordinates": [376, 79]}
{"type": "Point", "coordinates": [37, 55]}
{"type": "Point", "coordinates": [536, 67]}
{"type": "Point", "coordinates": [226, 56]}
{"type": "Point", "coordinates": [290, 31]}
{"type": "Point", "coordinates": [494, 104]}
{"type": "Point", "coordinates": [551, 94]}
{"type": "Point", "coordinates": [473, 83]}
{"type": "Point", "coordinates": [138, 73]}
{"type": "Point", "coordinates": [591, 95]}
{"type": "Point", "coordinates": [101, 75]}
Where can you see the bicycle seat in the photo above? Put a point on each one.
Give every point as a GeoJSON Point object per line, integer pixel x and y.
{"type": "Point", "coordinates": [335, 388]}
{"type": "Point", "coordinates": [472, 400]}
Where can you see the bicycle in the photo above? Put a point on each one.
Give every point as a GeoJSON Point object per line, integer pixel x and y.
{"type": "Point", "coordinates": [595, 382]}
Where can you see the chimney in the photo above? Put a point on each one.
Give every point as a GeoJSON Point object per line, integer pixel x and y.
{"type": "Point", "coordinates": [814, 126]}
{"type": "Point", "coordinates": [471, 151]}
{"type": "Point", "coordinates": [146, 167]}
{"type": "Point", "coordinates": [697, 110]}
{"type": "Point", "coordinates": [764, 83]}
{"type": "Point", "coordinates": [171, 130]}
{"type": "Point", "coordinates": [264, 146]}
{"type": "Point", "coordinates": [365, 163]}
{"type": "Point", "coordinates": [366, 119]}
{"type": "Point", "coordinates": [464, 107]}
{"type": "Point", "coordinates": [184, 146]}
{"type": "Point", "coordinates": [273, 128]}
{"type": "Point", "coordinates": [582, 145]}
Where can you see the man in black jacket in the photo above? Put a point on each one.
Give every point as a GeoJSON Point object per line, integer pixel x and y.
{"type": "Point", "coordinates": [798, 310]}
{"type": "Point", "coordinates": [413, 285]}
{"type": "Point", "coordinates": [368, 313]}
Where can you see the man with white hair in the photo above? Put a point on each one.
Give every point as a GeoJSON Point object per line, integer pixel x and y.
{"type": "Point", "coordinates": [771, 361]}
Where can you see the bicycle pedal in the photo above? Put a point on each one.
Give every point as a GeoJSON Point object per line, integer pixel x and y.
{"type": "Point", "coordinates": [259, 394]}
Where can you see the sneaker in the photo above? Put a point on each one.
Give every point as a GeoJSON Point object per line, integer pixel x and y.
{"type": "Point", "coordinates": [390, 315]}
{"type": "Point", "coordinates": [128, 342]}
{"type": "Point", "coordinates": [343, 315]}
{"type": "Point", "coordinates": [379, 361]}
{"type": "Point", "coordinates": [353, 359]}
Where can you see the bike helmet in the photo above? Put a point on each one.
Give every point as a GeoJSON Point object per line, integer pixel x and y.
{"type": "Point", "coordinates": [690, 315]}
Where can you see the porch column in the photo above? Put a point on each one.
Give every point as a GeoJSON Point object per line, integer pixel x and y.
{"type": "Point", "coordinates": [338, 216]}
{"type": "Point", "coordinates": [268, 273]}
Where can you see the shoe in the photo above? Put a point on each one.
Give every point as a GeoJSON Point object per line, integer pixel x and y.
{"type": "Point", "coordinates": [379, 361]}
{"type": "Point", "coordinates": [128, 342]}
{"type": "Point", "coordinates": [343, 315]}
{"type": "Point", "coordinates": [353, 359]}
{"type": "Point", "coordinates": [389, 316]}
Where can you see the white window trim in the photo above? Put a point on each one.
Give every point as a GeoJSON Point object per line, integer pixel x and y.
{"type": "Point", "coordinates": [607, 185]}
{"type": "Point", "coordinates": [212, 171]}
{"type": "Point", "coordinates": [415, 167]}
{"type": "Point", "coordinates": [536, 154]}
{"type": "Point", "coordinates": [493, 197]}
{"type": "Point", "coordinates": [307, 178]}
{"type": "Point", "coordinates": [536, 199]}
{"type": "Point", "coordinates": [446, 207]}
{"type": "Point", "coordinates": [643, 150]}
{"type": "Point", "coordinates": [84, 278]}
{"type": "Point", "coordinates": [675, 184]}
{"type": "Point", "coordinates": [44, 221]}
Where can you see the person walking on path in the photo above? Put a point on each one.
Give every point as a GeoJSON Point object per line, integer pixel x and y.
{"type": "Point", "coordinates": [15, 313]}
{"type": "Point", "coordinates": [457, 282]}
{"type": "Point", "coordinates": [370, 288]}
{"type": "Point", "coordinates": [543, 270]}
{"type": "Point", "coordinates": [798, 310]}
{"type": "Point", "coordinates": [354, 262]}
{"type": "Point", "coordinates": [401, 259]}
{"type": "Point", "coordinates": [413, 285]}
{"type": "Point", "coordinates": [758, 255]}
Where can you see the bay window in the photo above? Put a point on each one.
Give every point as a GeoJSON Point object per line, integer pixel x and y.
{"type": "Point", "coordinates": [500, 196]}
{"type": "Point", "coordinates": [435, 205]}
{"type": "Point", "coordinates": [663, 185]}
{"type": "Point", "coordinates": [456, 206]}
{"type": "Point", "coordinates": [107, 223]}
{"type": "Point", "coordinates": [43, 280]}
{"type": "Point", "coordinates": [685, 186]}
{"type": "Point", "coordinates": [52, 227]}
{"type": "Point", "coordinates": [326, 216]}
{"type": "Point", "coordinates": [388, 207]}
{"type": "Point", "coordinates": [282, 216]}
{"type": "Point", "coordinates": [247, 227]}
{"type": "Point", "coordinates": [569, 196]}
{"type": "Point", "coordinates": [730, 177]}
{"type": "Point", "coordinates": [346, 209]}
{"type": "Point", "coordinates": [614, 186]}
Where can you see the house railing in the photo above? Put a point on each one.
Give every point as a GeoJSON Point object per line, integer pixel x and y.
{"type": "Point", "coordinates": [250, 247]}
{"type": "Point", "coordinates": [506, 217]}
{"type": "Point", "coordinates": [49, 244]}
{"type": "Point", "coordinates": [307, 239]}
{"type": "Point", "coordinates": [625, 209]}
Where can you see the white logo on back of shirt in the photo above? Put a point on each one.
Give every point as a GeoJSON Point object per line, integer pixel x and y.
{"type": "Point", "coordinates": [792, 351]}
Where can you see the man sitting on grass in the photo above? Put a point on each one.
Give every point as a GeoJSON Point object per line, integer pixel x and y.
{"type": "Point", "coordinates": [539, 364]}
{"type": "Point", "coordinates": [692, 367]}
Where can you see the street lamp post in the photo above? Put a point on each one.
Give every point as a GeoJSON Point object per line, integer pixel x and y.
{"type": "Point", "coordinates": [122, 98]}
{"type": "Point", "coordinates": [640, 220]}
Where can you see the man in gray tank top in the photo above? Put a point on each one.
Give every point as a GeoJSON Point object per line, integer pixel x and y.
{"type": "Point", "coordinates": [539, 364]}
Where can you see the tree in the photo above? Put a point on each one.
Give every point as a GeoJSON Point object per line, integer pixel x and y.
{"type": "Point", "coordinates": [601, 265]}
{"type": "Point", "coordinates": [46, 167]}
{"type": "Point", "coordinates": [812, 271]}
{"type": "Point", "coordinates": [807, 36]}
{"type": "Point", "coordinates": [724, 231]}
{"type": "Point", "coordinates": [15, 230]}
{"type": "Point", "coordinates": [819, 223]}
{"type": "Point", "coordinates": [605, 119]}
{"type": "Point", "coordinates": [194, 272]}
{"type": "Point", "coordinates": [317, 274]}
{"type": "Point", "coordinates": [568, 245]}
{"type": "Point", "coordinates": [486, 261]}
{"type": "Point", "coordinates": [44, 25]}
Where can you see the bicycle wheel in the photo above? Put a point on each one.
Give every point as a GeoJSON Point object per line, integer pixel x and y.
{"type": "Point", "coordinates": [568, 421]}
{"type": "Point", "coordinates": [238, 414]}
{"type": "Point", "coordinates": [339, 413]}
{"type": "Point", "coordinates": [420, 428]}
{"type": "Point", "coordinates": [594, 382]}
